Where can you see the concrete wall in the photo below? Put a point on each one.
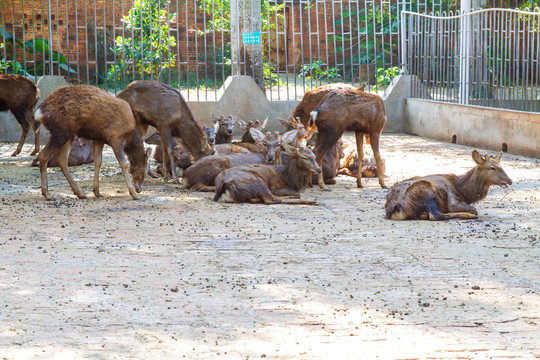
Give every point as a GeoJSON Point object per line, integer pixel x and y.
{"type": "Point", "coordinates": [518, 132]}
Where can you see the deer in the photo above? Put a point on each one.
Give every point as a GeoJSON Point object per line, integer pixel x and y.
{"type": "Point", "coordinates": [330, 162]}
{"type": "Point", "coordinates": [446, 196]}
{"type": "Point", "coordinates": [349, 163]}
{"type": "Point", "coordinates": [202, 174]}
{"type": "Point", "coordinates": [224, 128]}
{"type": "Point", "coordinates": [81, 153]}
{"type": "Point", "coordinates": [89, 112]}
{"type": "Point", "coordinates": [312, 98]}
{"type": "Point", "coordinates": [294, 123]}
{"type": "Point", "coordinates": [159, 105]}
{"type": "Point", "coordinates": [19, 95]}
{"type": "Point", "coordinates": [349, 110]}
{"type": "Point", "coordinates": [257, 124]}
{"type": "Point", "coordinates": [260, 183]}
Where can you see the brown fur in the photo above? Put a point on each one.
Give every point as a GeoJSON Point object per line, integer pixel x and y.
{"type": "Point", "coordinates": [445, 196]}
{"type": "Point", "coordinates": [262, 183]}
{"type": "Point", "coordinates": [224, 126]}
{"type": "Point", "coordinates": [312, 98]}
{"type": "Point", "coordinates": [257, 124]}
{"type": "Point", "coordinates": [349, 163]}
{"type": "Point", "coordinates": [81, 153]}
{"type": "Point", "coordinates": [159, 105]}
{"type": "Point", "coordinates": [19, 95]}
{"type": "Point", "coordinates": [92, 113]}
{"type": "Point", "coordinates": [296, 124]}
{"type": "Point", "coordinates": [349, 110]}
{"type": "Point", "coordinates": [330, 163]}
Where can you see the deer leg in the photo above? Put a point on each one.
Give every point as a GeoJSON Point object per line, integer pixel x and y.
{"type": "Point", "coordinates": [324, 142]}
{"type": "Point", "coordinates": [203, 188]}
{"type": "Point", "coordinates": [44, 156]}
{"type": "Point", "coordinates": [35, 125]}
{"type": "Point", "coordinates": [63, 156]}
{"type": "Point", "coordinates": [167, 145]}
{"type": "Point", "coordinates": [360, 151]}
{"type": "Point", "coordinates": [374, 138]}
{"type": "Point", "coordinates": [461, 207]}
{"type": "Point", "coordinates": [98, 152]}
{"type": "Point", "coordinates": [25, 126]}
{"type": "Point", "coordinates": [118, 149]}
{"type": "Point", "coordinates": [461, 215]}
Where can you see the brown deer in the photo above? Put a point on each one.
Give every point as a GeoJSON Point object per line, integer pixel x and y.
{"type": "Point", "coordinates": [330, 162]}
{"type": "Point", "coordinates": [260, 183]}
{"type": "Point", "coordinates": [159, 105]}
{"type": "Point", "coordinates": [257, 124]}
{"type": "Point", "coordinates": [446, 196]}
{"type": "Point", "coordinates": [92, 113]}
{"type": "Point", "coordinates": [81, 153]}
{"type": "Point", "coordinates": [349, 110]}
{"type": "Point", "coordinates": [202, 174]}
{"type": "Point", "coordinates": [224, 128]}
{"type": "Point", "coordinates": [296, 124]}
{"type": "Point", "coordinates": [19, 95]}
{"type": "Point", "coordinates": [349, 163]}
{"type": "Point", "coordinates": [312, 98]}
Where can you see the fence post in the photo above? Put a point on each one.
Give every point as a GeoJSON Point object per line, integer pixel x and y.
{"type": "Point", "coordinates": [246, 42]}
{"type": "Point", "coordinates": [465, 43]}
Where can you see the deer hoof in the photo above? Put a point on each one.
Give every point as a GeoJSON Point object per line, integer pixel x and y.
{"type": "Point", "coordinates": [15, 153]}
{"type": "Point", "coordinates": [136, 197]}
{"type": "Point", "coordinates": [81, 196]}
{"type": "Point", "coordinates": [34, 152]}
{"type": "Point", "coordinates": [98, 195]}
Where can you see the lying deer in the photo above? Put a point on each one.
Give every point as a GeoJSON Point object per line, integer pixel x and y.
{"type": "Point", "coordinates": [349, 110]}
{"type": "Point", "coordinates": [260, 183]}
{"type": "Point", "coordinates": [159, 105]}
{"type": "Point", "coordinates": [94, 114]}
{"type": "Point", "coordinates": [19, 95]}
{"type": "Point", "coordinates": [81, 153]}
{"type": "Point", "coordinates": [257, 124]}
{"type": "Point", "coordinates": [349, 163]}
{"type": "Point", "coordinates": [447, 196]}
{"type": "Point", "coordinates": [296, 124]}
{"type": "Point", "coordinates": [224, 128]}
{"type": "Point", "coordinates": [202, 174]}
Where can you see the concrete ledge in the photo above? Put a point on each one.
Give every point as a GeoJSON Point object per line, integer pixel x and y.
{"type": "Point", "coordinates": [495, 129]}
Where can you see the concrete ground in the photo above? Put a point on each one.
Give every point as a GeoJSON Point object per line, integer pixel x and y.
{"type": "Point", "coordinates": [177, 275]}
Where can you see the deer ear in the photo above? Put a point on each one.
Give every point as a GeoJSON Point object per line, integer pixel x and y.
{"type": "Point", "coordinates": [214, 118]}
{"type": "Point", "coordinates": [289, 136]}
{"type": "Point", "coordinates": [242, 124]}
{"type": "Point", "coordinates": [283, 122]}
{"type": "Point", "coordinates": [497, 157]}
{"type": "Point", "coordinates": [257, 135]}
{"type": "Point", "coordinates": [291, 150]}
{"type": "Point", "coordinates": [477, 157]}
{"type": "Point", "coordinates": [263, 124]}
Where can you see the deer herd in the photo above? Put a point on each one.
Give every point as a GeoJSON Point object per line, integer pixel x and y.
{"type": "Point", "coordinates": [268, 168]}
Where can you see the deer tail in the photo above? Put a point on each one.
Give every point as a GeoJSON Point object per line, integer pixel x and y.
{"type": "Point", "coordinates": [219, 190]}
{"type": "Point", "coordinates": [313, 116]}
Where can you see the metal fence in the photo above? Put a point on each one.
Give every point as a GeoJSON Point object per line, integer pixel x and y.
{"type": "Point", "coordinates": [195, 45]}
{"type": "Point", "coordinates": [488, 57]}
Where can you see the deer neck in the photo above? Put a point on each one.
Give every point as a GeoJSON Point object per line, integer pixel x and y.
{"type": "Point", "coordinates": [223, 139]}
{"type": "Point", "coordinates": [295, 178]}
{"type": "Point", "coordinates": [472, 186]}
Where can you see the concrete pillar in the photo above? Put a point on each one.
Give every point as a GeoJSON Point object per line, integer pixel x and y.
{"type": "Point", "coordinates": [247, 59]}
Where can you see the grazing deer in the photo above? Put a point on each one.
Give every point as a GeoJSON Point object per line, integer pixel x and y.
{"type": "Point", "coordinates": [159, 105]}
{"type": "Point", "coordinates": [446, 196]}
{"type": "Point", "coordinates": [260, 183]}
{"type": "Point", "coordinates": [349, 110]}
{"type": "Point", "coordinates": [224, 128]}
{"type": "Point", "coordinates": [349, 163]}
{"type": "Point", "coordinates": [202, 174]}
{"type": "Point", "coordinates": [19, 95]}
{"type": "Point", "coordinates": [94, 114]}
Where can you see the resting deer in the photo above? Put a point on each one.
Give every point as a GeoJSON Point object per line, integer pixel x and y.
{"type": "Point", "coordinates": [349, 163]}
{"type": "Point", "coordinates": [224, 128]}
{"type": "Point", "coordinates": [94, 114]}
{"type": "Point", "coordinates": [446, 196]}
{"type": "Point", "coordinates": [260, 183]}
{"type": "Point", "coordinates": [349, 110]}
{"type": "Point", "coordinates": [202, 174]}
{"type": "Point", "coordinates": [295, 124]}
{"type": "Point", "coordinates": [257, 124]}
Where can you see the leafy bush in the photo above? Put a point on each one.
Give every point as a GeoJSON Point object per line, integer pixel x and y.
{"type": "Point", "coordinates": [319, 71]}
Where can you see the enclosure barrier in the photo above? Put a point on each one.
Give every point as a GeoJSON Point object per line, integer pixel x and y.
{"type": "Point", "coordinates": [488, 57]}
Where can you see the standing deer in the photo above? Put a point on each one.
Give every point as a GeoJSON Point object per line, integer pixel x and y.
{"type": "Point", "coordinates": [202, 174]}
{"type": "Point", "coordinates": [446, 196]}
{"type": "Point", "coordinates": [159, 105]}
{"type": "Point", "coordinates": [92, 113]}
{"type": "Point", "coordinates": [349, 110]}
{"type": "Point", "coordinates": [19, 95]}
{"type": "Point", "coordinates": [260, 183]}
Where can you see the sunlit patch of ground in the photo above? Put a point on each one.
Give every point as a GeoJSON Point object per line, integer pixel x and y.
{"type": "Point", "coordinates": [177, 275]}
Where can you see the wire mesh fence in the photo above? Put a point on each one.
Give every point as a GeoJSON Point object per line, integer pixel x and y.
{"type": "Point", "coordinates": [194, 45]}
{"type": "Point", "coordinates": [488, 57]}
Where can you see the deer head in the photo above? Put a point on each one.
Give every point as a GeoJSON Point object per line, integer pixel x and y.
{"type": "Point", "coordinates": [224, 125]}
{"type": "Point", "coordinates": [272, 143]}
{"type": "Point", "coordinates": [305, 158]}
{"type": "Point", "coordinates": [491, 172]}
{"type": "Point", "coordinates": [210, 132]}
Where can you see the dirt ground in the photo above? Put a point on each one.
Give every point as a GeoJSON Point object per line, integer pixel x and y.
{"type": "Point", "coordinates": [177, 275]}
